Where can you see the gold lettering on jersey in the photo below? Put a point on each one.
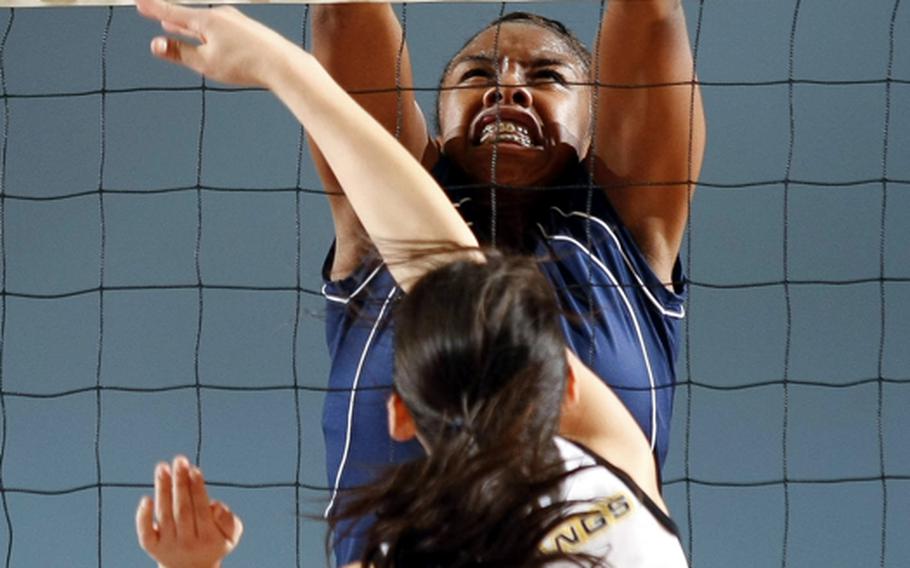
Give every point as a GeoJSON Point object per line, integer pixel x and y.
{"type": "Point", "coordinates": [598, 516]}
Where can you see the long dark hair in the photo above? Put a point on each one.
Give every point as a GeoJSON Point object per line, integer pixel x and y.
{"type": "Point", "coordinates": [480, 363]}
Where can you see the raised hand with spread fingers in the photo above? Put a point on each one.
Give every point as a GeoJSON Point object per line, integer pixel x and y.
{"type": "Point", "coordinates": [396, 200]}
{"type": "Point", "coordinates": [182, 528]}
{"type": "Point", "coordinates": [220, 43]}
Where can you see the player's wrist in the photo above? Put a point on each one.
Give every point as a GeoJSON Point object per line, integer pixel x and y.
{"type": "Point", "coordinates": [280, 61]}
{"type": "Point", "coordinates": [215, 565]}
{"type": "Point", "coordinates": [268, 59]}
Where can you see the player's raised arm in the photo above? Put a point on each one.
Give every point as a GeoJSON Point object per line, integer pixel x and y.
{"type": "Point", "coordinates": [362, 48]}
{"type": "Point", "coordinates": [398, 202]}
{"type": "Point", "coordinates": [650, 138]}
{"type": "Point", "coordinates": [394, 197]}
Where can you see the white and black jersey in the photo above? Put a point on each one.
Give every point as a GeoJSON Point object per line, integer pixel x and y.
{"type": "Point", "coordinates": [614, 520]}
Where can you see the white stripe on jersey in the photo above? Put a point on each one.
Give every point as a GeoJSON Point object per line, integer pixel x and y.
{"type": "Point", "coordinates": [638, 333]}
{"type": "Point", "coordinates": [354, 385]}
{"type": "Point", "coordinates": [678, 314]}
{"type": "Point", "coordinates": [341, 300]}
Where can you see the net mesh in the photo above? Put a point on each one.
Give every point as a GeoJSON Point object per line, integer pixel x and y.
{"type": "Point", "coordinates": [160, 245]}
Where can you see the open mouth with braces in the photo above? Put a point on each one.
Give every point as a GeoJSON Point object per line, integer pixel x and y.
{"type": "Point", "coordinates": [507, 126]}
{"type": "Point", "coordinates": [506, 131]}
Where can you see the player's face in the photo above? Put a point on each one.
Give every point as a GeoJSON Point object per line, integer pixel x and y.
{"type": "Point", "coordinates": [538, 120]}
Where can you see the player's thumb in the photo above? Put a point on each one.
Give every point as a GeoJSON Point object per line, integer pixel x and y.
{"type": "Point", "coordinates": [178, 52]}
{"type": "Point", "coordinates": [228, 523]}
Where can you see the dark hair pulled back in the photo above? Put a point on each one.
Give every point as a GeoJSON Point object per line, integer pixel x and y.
{"type": "Point", "coordinates": [480, 363]}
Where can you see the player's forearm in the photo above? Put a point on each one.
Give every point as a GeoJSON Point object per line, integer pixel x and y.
{"type": "Point", "coordinates": [362, 48]}
{"type": "Point", "coordinates": [650, 35]}
{"type": "Point", "coordinates": [654, 10]}
{"type": "Point", "coordinates": [394, 197]}
{"type": "Point", "coordinates": [645, 129]}
{"type": "Point", "coordinates": [358, 44]}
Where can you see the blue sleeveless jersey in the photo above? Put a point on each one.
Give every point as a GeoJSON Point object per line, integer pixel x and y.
{"type": "Point", "coordinates": [620, 320]}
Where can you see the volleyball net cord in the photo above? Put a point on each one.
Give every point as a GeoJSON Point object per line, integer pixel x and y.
{"type": "Point", "coordinates": [297, 388]}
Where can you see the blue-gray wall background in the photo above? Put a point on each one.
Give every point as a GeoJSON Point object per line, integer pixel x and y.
{"type": "Point", "coordinates": [844, 228]}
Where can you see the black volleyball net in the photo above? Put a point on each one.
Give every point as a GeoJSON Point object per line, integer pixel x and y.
{"type": "Point", "coordinates": [162, 237]}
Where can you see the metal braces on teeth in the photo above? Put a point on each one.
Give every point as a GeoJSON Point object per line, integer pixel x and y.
{"type": "Point", "coordinates": [507, 131]}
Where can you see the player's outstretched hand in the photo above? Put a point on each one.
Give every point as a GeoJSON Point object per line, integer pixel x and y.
{"type": "Point", "coordinates": [182, 528]}
{"type": "Point", "coordinates": [220, 43]}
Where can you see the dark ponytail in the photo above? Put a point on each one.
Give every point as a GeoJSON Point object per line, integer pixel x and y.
{"type": "Point", "coordinates": [480, 363]}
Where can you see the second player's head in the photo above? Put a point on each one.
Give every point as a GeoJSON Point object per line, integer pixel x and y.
{"type": "Point", "coordinates": [481, 375]}
{"type": "Point", "coordinates": [480, 356]}
{"type": "Point", "coordinates": [538, 116]}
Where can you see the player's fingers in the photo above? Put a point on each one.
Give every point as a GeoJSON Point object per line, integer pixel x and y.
{"type": "Point", "coordinates": [145, 526]}
{"type": "Point", "coordinates": [228, 523]}
{"type": "Point", "coordinates": [200, 497]}
{"type": "Point", "coordinates": [178, 51]}
{"type": "Point", "coordinates": [165, 11]}
{"type": "Point", "coordinates": [164, 508]}
{"type": "Point", "coordinates": [183, 500]}
{"type": "Point", "coordinates": [176, 29]}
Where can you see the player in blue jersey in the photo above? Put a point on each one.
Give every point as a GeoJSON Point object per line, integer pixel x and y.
{"type": "Point", "coordinates": [512, 92]}
{"type": "Point", "coordinates": [614, 258]}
